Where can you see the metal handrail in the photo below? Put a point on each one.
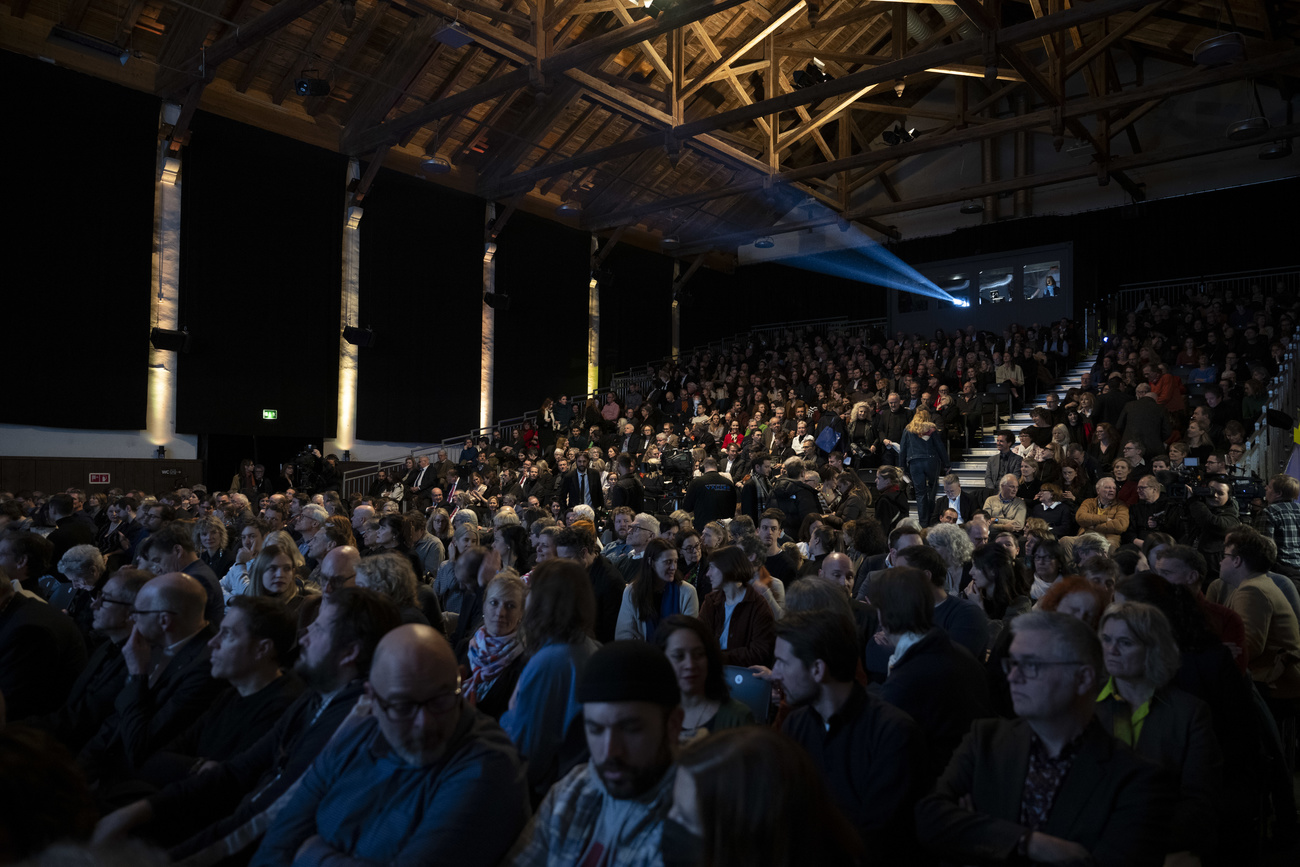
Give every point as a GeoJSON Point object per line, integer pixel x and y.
{"type": "Point", "coordinates": [1128, 296]}
{"type": "Point", "coordinates": [1268, 449]}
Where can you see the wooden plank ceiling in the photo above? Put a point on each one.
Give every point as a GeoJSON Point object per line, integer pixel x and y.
{"type": "Point", "coordinates": [702, 121]}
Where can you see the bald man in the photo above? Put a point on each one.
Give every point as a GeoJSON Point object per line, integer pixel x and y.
{"type": "Point", "coordinates": [425, 776]}
{"type": "Point", "coordinates": [838, 569]}
{"type": "Point", "coordinates": [339, 568]}
{"type": "Point", "coordinates": [169, 681]}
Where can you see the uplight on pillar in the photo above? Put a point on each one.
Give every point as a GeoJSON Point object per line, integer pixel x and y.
{"type": "Point", "coordinates": [487, 346]}
{"type": "Point", "coordinates": [160, 403]}
{"type": "Point", "coordinates": [346, 423]}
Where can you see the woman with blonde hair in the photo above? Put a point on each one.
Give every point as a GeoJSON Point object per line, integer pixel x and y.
{"type": "Point", "coordinates": [209, 535]}
{"type": "Point", "coordinates": [925, 458]}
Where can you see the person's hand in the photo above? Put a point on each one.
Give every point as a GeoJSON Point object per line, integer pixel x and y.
{"type": "Point", "coordinates": [1054, 850]}
{"type": "Point", "coordinates": [490, 566]}
{"type": "Point", "coordinates": [1151, 522]}
{"type": "Point", "coordinates": [122, 540]}
{"type": "Point", "coordinates": [882, 639]}
{"type": "Point", "coordinates": [114, 827]}
{"type": "Point", "coordinates": [135, 652]}
{"type": "Point", "coordinates": [762, 672]}
{"type": "Point", "coordinates": [316, 452]}
{"type": "Point", "coordinates": [243, 555]}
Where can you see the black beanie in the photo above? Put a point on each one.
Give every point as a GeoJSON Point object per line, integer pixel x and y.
{"type": "Point", "coordinates": [629, 671]}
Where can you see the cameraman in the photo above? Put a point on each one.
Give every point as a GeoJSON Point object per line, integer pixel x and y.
{"type": "Point", "coordinates": [1154, 512]}
{"type": "Point", "coordinates": [1209, 520]}
{"type": "Point", "coordinates": [711, 496]}
{"type": "Point", "coordinates": [1280, 521]}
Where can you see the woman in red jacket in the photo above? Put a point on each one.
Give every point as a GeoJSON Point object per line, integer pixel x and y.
{"type": "Point", "coordinates": [739, 617]}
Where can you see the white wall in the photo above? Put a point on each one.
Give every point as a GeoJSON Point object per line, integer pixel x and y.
{"type": "Point", "coordinates": [57, 442]}
{"type": "Point", "coordinates": [370, 450]}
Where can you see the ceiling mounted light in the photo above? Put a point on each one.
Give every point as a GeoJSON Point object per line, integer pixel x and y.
{"type": "Point", "coordinates": [972, 206]}
{"type": "Point", "coordinates": [1276, 150]}
{"type": "Point", "coordinates": [568, 209]}
{"type": "Point", "coordinates": [348, 11]}
{"type": "Point", "coordinates": [657, 7]}
{"type": "Point", "coordinates": [1251, 127]}
{"type": "Point", "coordinates": [453, 35]}
{"type": "Point", "coordinates": [435, 166]}
{"type": "Point", "coordinates": [899, 134]}
{"type": "Point", "coordinates": [812, 74]}
{"type": "Point", "coordinates": [1220, 50]}
{"type": "Point", "coordinates": [765, 243]}
{"type": "Point", "coordinates": [899, 84]}
{"type": "Point", "coordinates": [670, 242]}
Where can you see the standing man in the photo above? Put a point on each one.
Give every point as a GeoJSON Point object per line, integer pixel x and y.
{"type": "Point", "coordinates": [421, 481]}
{"type": "Point", "coordinates": [754, 493]}
{"type": "Point", "coordinates": [711, 496]}
{"type": "Point", "coordinates": [581, 486]}
{"type": "Point", "coordinates": [628, 490]}
{"type": "Point", "coordinates": [1052, 786]}
{"type": "Point", "coordinates": [611, 810]}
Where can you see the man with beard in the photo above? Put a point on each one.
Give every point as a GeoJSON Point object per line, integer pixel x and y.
{"type": "Point", "coordinates": [425, 773]}
{"type": "Point", "coordinates": [893, 421]}
{"type": "Point", "coordinates": [225, 808]}
{"type": "Point", "coordinates": [611, 810]}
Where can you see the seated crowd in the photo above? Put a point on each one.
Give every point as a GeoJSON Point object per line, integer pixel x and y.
{"type": "Point", "coordinates": [526, 656]}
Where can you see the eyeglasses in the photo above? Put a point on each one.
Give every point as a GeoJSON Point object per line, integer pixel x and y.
{"type": "Point", "coordinates": [108, 600]}
{"type": "Point", "coordinates": [136, 612]}
{"type": "Point", "coordinates": [1030, 668]}
{"type": "Point", "coordinates": [404, 711]}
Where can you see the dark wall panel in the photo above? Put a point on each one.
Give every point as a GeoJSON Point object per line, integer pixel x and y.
{"type": "Point", "coordinates": [545, 268]}
{"type": "Point", "coordinates": [261, 247]}
{"type": "Point", "coordinates": [635, 309]}
{"type": "Point", "coordinates": [421, 285]}
{"type": "Point", "coordinates": [79, 240]}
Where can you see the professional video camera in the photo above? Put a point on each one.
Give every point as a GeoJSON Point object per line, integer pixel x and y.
{"type": "Point", "coordinates": [308, 467]}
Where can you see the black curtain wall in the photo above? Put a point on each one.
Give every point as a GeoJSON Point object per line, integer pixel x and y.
{"type": "Point", "coordinates": [79, 244]}
{"type": "Point", "coordinates": [421, 279]}
{"type": "Point", "coordinates": [261, 247]}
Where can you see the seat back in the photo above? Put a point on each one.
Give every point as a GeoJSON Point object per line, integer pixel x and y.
{"type": "Point", "coordinates": [745, 687]}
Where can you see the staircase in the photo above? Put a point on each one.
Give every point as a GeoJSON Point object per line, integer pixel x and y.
{"type": "Point", "coordinates": [970, 469]}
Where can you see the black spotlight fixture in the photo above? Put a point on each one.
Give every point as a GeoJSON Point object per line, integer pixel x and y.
{"type": "Point", "coordinates": [359, 336]}
{"type": "Point", "coordinates": [497, 302]}
{"type": "Point", "coordinates": [170, 341]}
{"type": "Point", "coordinates": [655, 8]}
{"type": "Point", "coordinates": [311, 84]}
{"type": "Point", "coordinates": [972, 206]}
{"type": "Point", "coordinates": [899, 135]}
{"type": "Point", "coordinates": [813, 73]}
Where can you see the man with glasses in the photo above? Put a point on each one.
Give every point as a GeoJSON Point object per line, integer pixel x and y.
{"type": "Point", "coordinates": [169, 682]}
{"type": "Point", "coordinates": [225, 808]}
{"type": "Point", "coordinates": [90, 701]}
{"type": "Point", "coordinates": [1210, 520]}
{"type": "Point", "coordinates": [1153, 512]}
{"type": "Point", "coordinates": [413, 782]}
{"type": "Point", "coordinates": [1053, 785]}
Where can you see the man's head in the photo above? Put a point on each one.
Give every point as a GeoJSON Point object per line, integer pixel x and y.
{"type": "Point", "coordinates": [900, 538]}
{"type": "Point", "coordinates": [622, 522]}
{"type": "Point", "coordinates": [769, 527]}
{"type": "Point", "coordinates": [112, 606]}
{"type": "Point", "coordinates": [631, 707]}
{"type": "Point", "coordinates": [577, 544]}
{"type": "Point", "coordinates": [415, 685]}
{"type": "Point", "coordinates": [813, 649]}
{"type": "Point", "coordinates": [311, 519]}
{"type": "Point", "coordinates": [169, 608]}
{"type": "Point", "coordinates": [1106, 491]}
{"type": "Point", "coordinates": [155, 516]}
{"type": "Point", "coordinates": [340, 643]}
{"type": "Point", "coordinates": [1180, 564]}
{"type": "Point", "coordinates": [256, 636]}
{"type": "Point", "coordinates": [1008, 486]}
{"type": "Point", "coordinates": [1246, 553]}
{"type": "Point", "coordinates": [339, 568]}
{"type": "Point", "coordinates": [1149, 489]}
{"type": "Point", "coordinates": [1282, 489]}
{"type": "Point", "coordinates": [644, 528]}
{"type": "Point", "coordinates": [360, 515]}
{"type": "Point", "coordinates": [1054, 667]}
{"type": "Point", "coordinates": [1004, 440]}
{"type": "Point", "coordinates": [838, 569]}
{"type": "Point", "coordinates": [170, 549]}
{"type": "Point", "coordinates": [24, 556]}
{"type": "Point", "coordinates": [951, 486]}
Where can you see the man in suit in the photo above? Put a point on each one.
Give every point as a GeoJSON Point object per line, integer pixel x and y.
{"type": "Point", "coordinates": [629, 441]}
{"type": "Point", "coordinates": [628, 490]}
{"type": "Point", "coordinates": [1112, 402]}
{"type": "Point", "coordinates": [1146, 421]}
{"type": "Point", "coordinates": [70, 530]}
{"type": "Point", "coordinates": [711, 496]}
{"type": "Point", "coordinates": [953, 497]}
{"type": "Point", "coordinates": [41, 649]}
{"type": "Point", "coordinates": [420, 481]}
{"type": "Point", "coordinates": [893, 420]}
{"type": "Point", "coordinates": [1004, 463]}
{"type": "Point", "coordinates": [90, 701]}
{"type": "Point", "coordinates": [1051, 786]}
{"type": "Point", "coordinates": [581, 485]}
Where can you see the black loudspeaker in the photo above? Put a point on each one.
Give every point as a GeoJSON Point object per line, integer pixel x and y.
{"type": "Point", "coordinates": [359, 336]}
{"type": "Point", "coordinates": [170, 341]}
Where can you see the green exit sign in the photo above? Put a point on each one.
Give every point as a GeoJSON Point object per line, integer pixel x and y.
{"type": "Point", "coordinates": [270, 414]}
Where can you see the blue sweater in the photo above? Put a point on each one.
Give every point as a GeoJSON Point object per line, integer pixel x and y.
{"type": "Point", "coordinates": [546, 721]}
{"type": "Point", "coordinates": [360, 802]}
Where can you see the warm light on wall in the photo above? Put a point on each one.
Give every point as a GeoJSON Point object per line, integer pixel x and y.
{"type": "Point", "coordinates": [487, 347]}
{"type": "Point", "coordinates": [593, 335]}
{"type": "Point", "coordinates": [171, 170]}
{"type": "Point", "coordinates": [346, 420]}
{"type": "Point", "coordinates": [160, 408]}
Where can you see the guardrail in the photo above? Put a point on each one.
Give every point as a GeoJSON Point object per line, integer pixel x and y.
{"type": "Point", "coordinates": [1271, 281]}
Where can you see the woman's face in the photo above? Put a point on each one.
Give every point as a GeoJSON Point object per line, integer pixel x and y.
{"type": "Point", "coordinates": [1045, 565]}
{"type": "Point", "coordinates": [277, 578]}
{"type": "Point", "coordinates": [689, 660]}
{"type": "Point", "coordinates": [1121, 470]}
{"type": "Point", "coordinates": [981, 580]}
{"type": "Point", "coordinates": [710, 538]}
{"type": "Point", "coordinates": [1081, 606]}
{"type": "Point", "coordinates": [209, 538]}
{"type": "Point", "coordinates": [715, 577]}
{"type": "Point", "coordinates": [690, 551]}
{"type": "Point", "coordinates": [440, 524]}
{"type": "Point", "coordinates": [665, 566]}
{"type": "Point", "coordinates": [501, 612]}
{"type": "Point", "coordinates": [384, 535]}
{"type": "Point", "coordinates": [502, 547]}
{"type": "Point", "coordinates": [84, 577]}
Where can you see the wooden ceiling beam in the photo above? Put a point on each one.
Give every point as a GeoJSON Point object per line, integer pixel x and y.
{"type": "Point", "coordinates": [757, 33]}
{"type": "Point", "coordinates": [356, 43]}
{"type": "Point", "coordinates": [304, 60]}
{"type": "Point", "coordinates": [359, 141]}
{"type": "Point", "coordinates": [75, 12]}
{"type": "Point", "coordinates": [171, 81]}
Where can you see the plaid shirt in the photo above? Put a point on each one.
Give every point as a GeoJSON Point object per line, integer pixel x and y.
{"type": "Point", "coordinates": [561, 831]}
{"type": "Point", "coordinates": [1281, 523]}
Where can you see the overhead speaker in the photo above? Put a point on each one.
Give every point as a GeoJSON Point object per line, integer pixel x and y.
{"type": "Point", "coordinates": [496, 301]}
{"type": "Point", "coordinates": [166, 340]}
{"type": "Point", "coordinates": [359, 336]}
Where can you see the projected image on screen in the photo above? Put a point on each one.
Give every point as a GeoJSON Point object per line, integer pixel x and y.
{"type": "Point", "coordinates": [996, 285]}
{"type": "Point", "coordinates": [1042, 280]}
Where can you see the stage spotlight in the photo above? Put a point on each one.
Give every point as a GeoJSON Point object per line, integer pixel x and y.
{"type": "Point", "coordinates": [310, 85]}
{"type": "Point", "coordinates": [898, 135]}
{"type": "Point", "coordinates": [812, 74]}
{"type": "Point", "coordinates": [435, 166]}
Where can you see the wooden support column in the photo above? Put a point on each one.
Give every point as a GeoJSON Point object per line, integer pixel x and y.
{"type": "Point", "coordinates": [160, 403]}
{"type": "Point", "coordinates": [593, 324]}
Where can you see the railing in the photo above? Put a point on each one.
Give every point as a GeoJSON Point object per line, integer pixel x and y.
{"type": "Point", "coordinates": [1269, 449]}
{"type": "Point", "coordinates": [1271, 281]}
